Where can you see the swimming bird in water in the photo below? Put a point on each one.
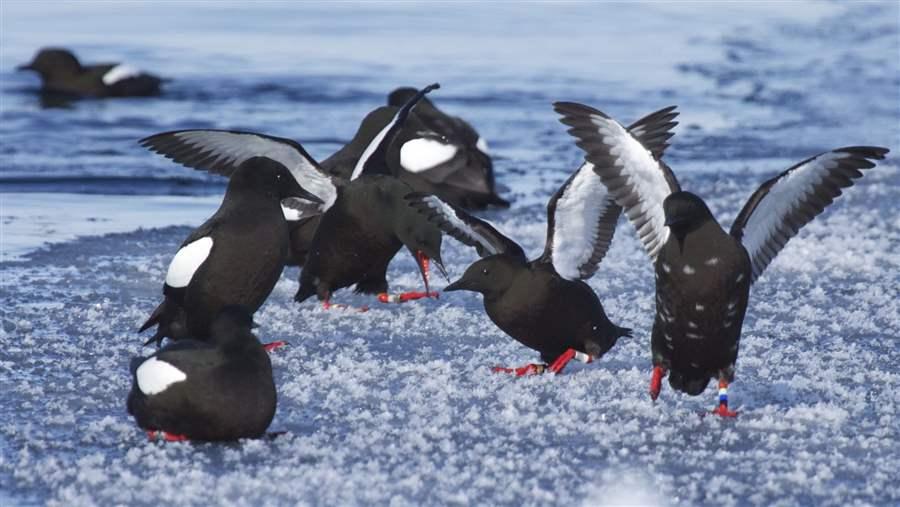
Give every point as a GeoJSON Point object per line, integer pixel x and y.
{"type": "Point", "coordinates": [544, 303]}
{"type": "Point", "coordinates": [704, 274]}
{"type": "Point", "coordinates": [62, 73]}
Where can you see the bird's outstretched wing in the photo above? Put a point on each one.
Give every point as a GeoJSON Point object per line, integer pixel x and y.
{"type": "Point", "coordinates": [627, 160]}
{"type": "Point", "coordinates": [223, 151]}
{"type": "Point", "coordinates": [467, 229]}
{"type": "Point", "coordinates": [787, 202]}
{"type": "Point", "coordinates": [582, 214]}
{"type": "Point", "coordinates": [581, 220]}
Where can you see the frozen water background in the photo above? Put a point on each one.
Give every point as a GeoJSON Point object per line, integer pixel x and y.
{"type": "Point", "coordinates": [397, 406]}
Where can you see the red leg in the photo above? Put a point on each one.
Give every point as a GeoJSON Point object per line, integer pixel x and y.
{"type": "Point", "coordinates": [165, 436]}
{"type": "Point", "coordinates": [656, 381]}
{"type": "Point", "coordinates": [423, 262]}
{"type": "Point", "coordinates": [423, 265]}
{"type": "Point", "coordinates": [528, 369]}
{"type": "Point", "coordinates": [560, 363]}
{"type": "Point", "coordinates": [274, 345]}
{"type": "Point", "coordinates": [722, 409]}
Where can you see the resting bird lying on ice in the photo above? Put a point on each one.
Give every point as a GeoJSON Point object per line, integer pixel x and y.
{"type": "Point", "coordinates": [220, 388]}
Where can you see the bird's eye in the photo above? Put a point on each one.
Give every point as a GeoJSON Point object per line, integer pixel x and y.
{"type": "Point", "coordinates": [484, 271]}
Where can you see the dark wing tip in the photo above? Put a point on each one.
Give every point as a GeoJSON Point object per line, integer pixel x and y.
{"type": "Point", "coordinates": [574, 108]}
{"type": "Point", "coordinates": [153, 142]}
{"type": "Point", "coordinates": [431, 87]}
{"type": "Point", "coordinates": [872, 152]}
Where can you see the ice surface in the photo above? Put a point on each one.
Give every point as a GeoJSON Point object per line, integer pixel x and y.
{"type": "Point", "coordinates": [397, 406]}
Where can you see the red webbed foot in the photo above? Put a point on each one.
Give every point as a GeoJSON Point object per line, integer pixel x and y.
{"type": "Point", "coordinates": [723, 411]}
{"type": "Point", "coordinates": [403, 297]}
{"type": "Point", "coordinates": [165, 436]}
{"type": "Point", "coordinates": [528, 369]}
{"type": "Point", "coordinates": [269, 347]}
{"type": "Point", "coordinates": [328, 305]}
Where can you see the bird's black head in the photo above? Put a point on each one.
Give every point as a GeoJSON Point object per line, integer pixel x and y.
{"type": "Point", "coordinates": [262, 175]}
{"type": "Point", "coordinates": [51, 62]}
{"type": "Point", "coordinates": [491, 276]}
{"type": "Point", "coordinates": [685, 212]}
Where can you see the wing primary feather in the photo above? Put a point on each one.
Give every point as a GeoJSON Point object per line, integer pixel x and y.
{"type": "Point", "coordinates": [628, 162]}
{"type": "Point", "coordinates": [781, 206]}
{"type": "Point", "coordinates": [464, 227]}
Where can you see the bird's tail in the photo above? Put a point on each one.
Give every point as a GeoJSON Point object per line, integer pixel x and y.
{"type": "Point", "coordinates": [154, 317]}
{"type": "Point", "coordinates": [692, 382]}
{"type": "Point", "coordinates": [158, 319]}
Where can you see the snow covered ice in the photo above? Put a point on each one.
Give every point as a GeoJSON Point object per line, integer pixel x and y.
{"type": "Point", "coordinates": [397, 405]}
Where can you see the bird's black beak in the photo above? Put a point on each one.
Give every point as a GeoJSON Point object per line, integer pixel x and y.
{"type": "Point", "coordinates": [460, 284]}
{"type": "Point", "coordinates": [674, 221]}
{"type": "Point", "coordinates": [25, 66]}
{"type": "Point", "coordinates": [305, 194]}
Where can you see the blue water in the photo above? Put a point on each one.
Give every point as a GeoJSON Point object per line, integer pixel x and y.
{"type": "Point", "coordinates": [396, 405]}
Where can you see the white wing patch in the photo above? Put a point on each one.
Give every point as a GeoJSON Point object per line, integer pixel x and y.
{"type": "Point", "coordinates": [482, 145]}
{"type": "Point", "coordinates": [187, 261]}
{"type": "Point", "coordinates": [155, 376]}
{"type": "Point", "coordinates": [575, 222]}
{"type": "Point", "coordinates": [769, 216]}
{"type": "Point", "coordinates": [237, 147]}
{"type": "Point", "coordinates": [118, 73]}
{"type": "Point", "coordinates": [291, 214]}
{"type": "Point", "coordinates": [370, 149]}
{"type": "Point", "coordinates": [422, 154]}
{"type": "Point", "coordinates": [644, 178]}
{"type": "Point", "coordinates": [450, 215]}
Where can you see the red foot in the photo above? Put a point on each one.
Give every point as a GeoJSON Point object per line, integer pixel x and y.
{"type": "Point", "coordinates": [403, 297]}
{"type": "Point", "coordinates": [328, 305]}
{"type": "Point", "coordinates": [528, 369]}
{"type": "Point", "coordinates": [656, 381]}
{"type": "Point", "coordinates": [722, 411]}
{"type": "Point", "coordinates": [153, 435]}
{"type": "Point", "coordinates": [274, 345]}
